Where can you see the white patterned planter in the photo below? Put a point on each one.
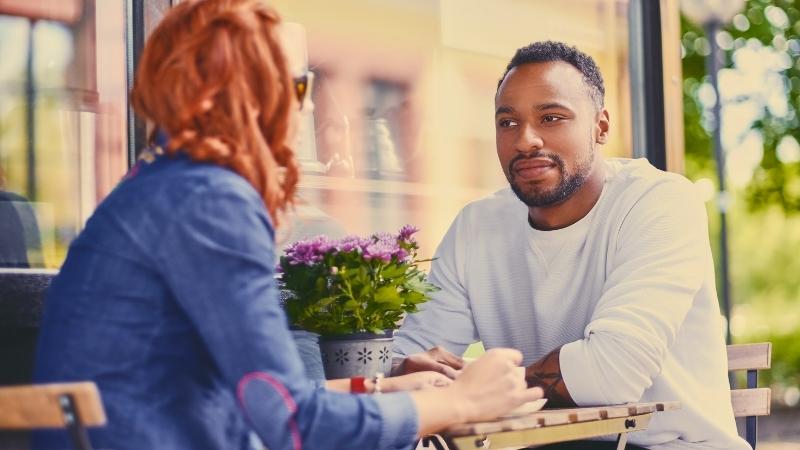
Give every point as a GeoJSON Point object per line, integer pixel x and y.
{"type": "Point", "coordinates": [358, 354]}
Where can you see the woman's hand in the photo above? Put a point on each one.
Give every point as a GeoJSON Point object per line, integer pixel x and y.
{"type": "Point", "coordinates": [412, 382]}
{"type": "Point", "coordinates": [492, 385]}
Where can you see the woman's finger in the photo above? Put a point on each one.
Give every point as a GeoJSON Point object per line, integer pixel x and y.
{"type": "Point", "coordinates": [534, 393]}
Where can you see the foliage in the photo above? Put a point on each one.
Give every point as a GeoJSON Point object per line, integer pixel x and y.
{"type": "Point", "coordinates": [354, 284]}
{"type": "Point", "coordinates": [764, 229]}
{"type": "Point", "coordinates": [773, 25]}
{"type": "Point", "coordinates": [785, 359]}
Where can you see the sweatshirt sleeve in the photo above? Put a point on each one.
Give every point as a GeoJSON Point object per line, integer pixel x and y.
{"type": "Point", "coordinates": [446, 319]}
{"type": "Point", "coordinates": [657, 269]}
{"type": "Point", "coordinates": [218, 259]}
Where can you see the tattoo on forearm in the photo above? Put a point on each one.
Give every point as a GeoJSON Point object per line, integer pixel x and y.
{"type": "Point", "coordinates": [546, 373]}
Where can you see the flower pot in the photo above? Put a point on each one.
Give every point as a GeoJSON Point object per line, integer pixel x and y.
{"type": "Point", "coordinates": [358, 354]}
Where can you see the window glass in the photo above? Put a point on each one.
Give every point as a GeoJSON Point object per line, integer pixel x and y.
{"type": "Point", "coordinates": [403, 110]}
{"type": "Point", "coordinates": [62, 122]}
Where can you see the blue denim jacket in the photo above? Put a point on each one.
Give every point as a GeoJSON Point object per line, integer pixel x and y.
{"type": "Point", "coordinates": [167, 301]}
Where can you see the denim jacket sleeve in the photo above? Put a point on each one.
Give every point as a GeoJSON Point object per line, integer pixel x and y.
{"type": "Point", "coordinates": [217, 256]}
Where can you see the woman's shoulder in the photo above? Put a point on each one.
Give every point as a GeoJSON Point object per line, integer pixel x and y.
{"type": "Point", "coordinates": [183, 171]}
{"type": "Point", "coordinates": [177, 179]}
{"type": "Point", "coordinates": [168, 189]}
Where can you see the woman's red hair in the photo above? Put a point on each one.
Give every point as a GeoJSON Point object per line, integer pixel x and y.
{"type": "Point", "coordinates": [214, 77]}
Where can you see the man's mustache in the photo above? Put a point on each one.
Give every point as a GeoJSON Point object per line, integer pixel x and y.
{"type": "Point", "coordinates": [523, 156]}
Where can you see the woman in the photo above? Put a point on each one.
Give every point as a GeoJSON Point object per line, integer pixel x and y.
{"type": "Point", "coordinates": [167, 299]}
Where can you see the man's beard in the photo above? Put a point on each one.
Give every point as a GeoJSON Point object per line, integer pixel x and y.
{"type": "Point", "coordinates": [566, 187]}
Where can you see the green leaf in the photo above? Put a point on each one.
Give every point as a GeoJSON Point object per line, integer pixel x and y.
{"type": "Point", "coordinates": [414, 297]}
{"type": "Point", "coordinates": [393, 271]}
{"type": "Point", "coordinates": [388, 295]}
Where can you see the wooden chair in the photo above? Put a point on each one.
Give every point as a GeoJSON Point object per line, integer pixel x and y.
{"type": "Point", "coordinates": [752, 401]}
{"type": "Point", "coordinates": [66, 405]}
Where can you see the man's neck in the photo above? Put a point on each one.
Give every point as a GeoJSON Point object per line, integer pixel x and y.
{"type": "Point", "coordinates": [574, 208]}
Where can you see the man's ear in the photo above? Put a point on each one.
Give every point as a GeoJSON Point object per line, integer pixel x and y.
{"type": "Point", "coordinates": [601, 127]}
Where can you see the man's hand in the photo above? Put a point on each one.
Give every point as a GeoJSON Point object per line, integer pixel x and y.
{"type": "Point", "coordinates": [436, 359]}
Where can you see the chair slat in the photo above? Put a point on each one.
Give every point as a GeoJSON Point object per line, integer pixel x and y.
{"type": "Point", "coordinates": [751, 402]}
{"type": "Point", "coordinates": [37, 406]}
{"type": "Point", "coordinates": [750, 356]}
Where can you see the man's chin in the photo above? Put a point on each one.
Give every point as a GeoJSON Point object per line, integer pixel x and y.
{"type": "Point", "coordinates": [540, 198]}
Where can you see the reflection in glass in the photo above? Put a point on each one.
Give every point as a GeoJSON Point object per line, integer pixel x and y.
{"type": "Point", "coordinates": [62, 122]}
{"type": "Point", "coordinates": [383, 101]}
{"type": "Point", "coordinates": [417, 82]}
{"type": "Point", "coordinates": [383, 162]}
{"type": "Point", "coordinates": [20, 241]}
{"type": "Point", "coordinates": [335, 135]}
{"type": "Point", "coordinates": [334, 147]}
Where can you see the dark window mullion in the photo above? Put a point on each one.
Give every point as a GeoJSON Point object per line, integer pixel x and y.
{"type": "Point", "coordinates": [647, 75]}
{"type": "Point", "coordinates": [135, 33]}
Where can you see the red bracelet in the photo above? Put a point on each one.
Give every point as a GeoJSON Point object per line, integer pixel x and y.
{"type": "Point", "coordinates": [357, 385]}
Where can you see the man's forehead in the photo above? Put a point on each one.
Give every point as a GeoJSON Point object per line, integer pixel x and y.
{"type": "Point", "coordinates": [550, 81]}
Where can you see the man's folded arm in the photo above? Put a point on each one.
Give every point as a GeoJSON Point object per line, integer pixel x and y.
{"type": "Point", "coordinates": [659, 265]}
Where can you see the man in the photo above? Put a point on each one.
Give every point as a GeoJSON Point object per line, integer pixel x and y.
{"type": "Point", "coordinates": [599, 271]}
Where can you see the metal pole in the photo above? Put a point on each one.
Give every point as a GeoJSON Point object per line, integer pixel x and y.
{"type": "Point", "coordinates": [30, 116]}
{"type": "Point", "coordinates": [713, 64]}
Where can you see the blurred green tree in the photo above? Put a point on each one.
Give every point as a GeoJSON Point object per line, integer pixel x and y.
{"type": "Point", "coordinates": [771, 28]}
{"type": "Point", "coordinates": [764, 219]}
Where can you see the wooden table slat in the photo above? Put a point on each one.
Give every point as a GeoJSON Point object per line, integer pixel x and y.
{"type": "Point", "coordinates": [554, 417]}
{"type": "Point", "coordinates": [546, 435]}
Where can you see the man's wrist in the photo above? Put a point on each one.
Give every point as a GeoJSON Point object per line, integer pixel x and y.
{"type": "Point", "coordinates": [546, 373]}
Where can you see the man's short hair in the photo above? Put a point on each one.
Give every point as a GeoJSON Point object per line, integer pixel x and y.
{"type": "Point", "coordinates": [547, 51]}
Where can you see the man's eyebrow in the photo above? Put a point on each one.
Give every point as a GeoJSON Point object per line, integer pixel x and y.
{"type": "Point", "coordinates": [540, 107]}
{"type": "Point", "coordinates": [551, 105]}
{"type": "Point", "coordinates": [503, 110]}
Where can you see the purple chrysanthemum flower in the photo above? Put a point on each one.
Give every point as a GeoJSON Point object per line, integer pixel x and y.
{"type": "Point", "coordinates": [310, 251]}
{"type": "Point", "coordinates": [384, 237]}
{"type": "Point", "coordinates": [380, 249]}
{"type": "Point", "coordinates": [401, 254]}
{"type": "Point", "coordinates": [350, 243]}
{"type": "Point", "coordinates": [406, 233]}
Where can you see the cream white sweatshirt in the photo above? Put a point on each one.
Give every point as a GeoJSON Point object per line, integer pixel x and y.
{"type": "Point", "coordinates": [627, 292]}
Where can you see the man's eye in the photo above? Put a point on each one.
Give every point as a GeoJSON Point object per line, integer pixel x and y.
{"type": "Point", "coordinates": [550, 119]}
{"type": "Point", "coordinates": [505, 123]}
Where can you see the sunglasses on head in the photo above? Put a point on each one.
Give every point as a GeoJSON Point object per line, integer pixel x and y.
{"type": "Point", "coordinates": [301, 88]}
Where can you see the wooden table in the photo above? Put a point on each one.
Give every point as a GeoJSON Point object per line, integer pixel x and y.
{"type": "Point", "coordinates": [551, 425]}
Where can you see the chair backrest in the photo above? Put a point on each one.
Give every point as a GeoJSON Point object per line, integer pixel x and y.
{"type": "Point", "coordinates": [21, 303]}
{"type": "Point", "coordinates": [47, 405]}
{"type": "Point", "coordinates": [752, 401]}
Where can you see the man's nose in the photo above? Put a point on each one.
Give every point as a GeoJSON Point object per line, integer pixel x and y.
{"type": "Point", "coordinates": [529, 140]}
